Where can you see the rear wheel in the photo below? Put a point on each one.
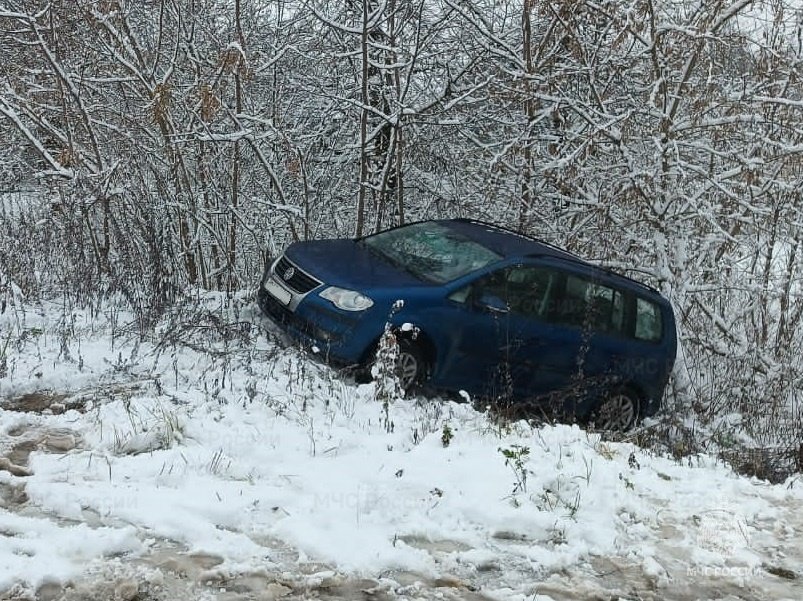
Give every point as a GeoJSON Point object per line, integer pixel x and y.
{"type": "Point", "coordinates": [618, 412]}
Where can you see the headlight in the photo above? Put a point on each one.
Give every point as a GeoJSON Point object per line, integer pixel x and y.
{"type": "Point", "coordinates": [348, 300]}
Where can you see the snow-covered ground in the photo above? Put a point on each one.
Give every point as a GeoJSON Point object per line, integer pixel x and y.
{"type": "Point", "coordinates": [209, 462]}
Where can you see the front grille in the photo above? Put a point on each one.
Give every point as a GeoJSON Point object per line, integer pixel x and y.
{"type": "Point", "coordinates": [282, 314]}
{"type": "Point", "coordinates": [284, 317]}
{"type": "Point", "coordinates": [298, 280]}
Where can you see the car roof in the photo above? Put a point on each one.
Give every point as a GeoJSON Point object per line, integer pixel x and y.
{"type": "Point", "coordinates": [509, 243]}
{"type": "Point", "coordinates": [506, 242]}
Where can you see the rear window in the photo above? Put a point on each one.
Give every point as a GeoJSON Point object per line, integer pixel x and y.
{"type": "Point", "coordinates": [649, 325]}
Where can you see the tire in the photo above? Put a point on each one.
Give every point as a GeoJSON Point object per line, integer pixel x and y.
{"type": "Point", "coordinates": [618, 412]}
{"type": "Point", "coordinates": [411, 365]}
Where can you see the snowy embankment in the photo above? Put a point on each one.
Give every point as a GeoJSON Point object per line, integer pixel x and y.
{"type": "Point", "coordinates": [237, 449]}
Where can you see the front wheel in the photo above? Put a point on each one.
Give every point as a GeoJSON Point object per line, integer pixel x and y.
{"type": "Point", "coordinates": [411, 365]}
{"type": "Point", "coordinates": [618, 412]}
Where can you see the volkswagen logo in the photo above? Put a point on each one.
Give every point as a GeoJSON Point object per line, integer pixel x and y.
{"type": "Point", "coordinates": [289, 273]}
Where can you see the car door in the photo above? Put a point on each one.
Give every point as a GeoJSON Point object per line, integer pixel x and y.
{"type": "Point", "coordinates": [472, 339]}
{"type": "Point", "coordinates": [551, 341]}
{"type": "Point", "coordinates": [500, 335]}
{"type": "Point", "coordinates": [594, 314]}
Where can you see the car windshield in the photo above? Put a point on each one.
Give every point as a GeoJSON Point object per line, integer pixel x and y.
{"type": "Point", "coordinates": [431, 251]}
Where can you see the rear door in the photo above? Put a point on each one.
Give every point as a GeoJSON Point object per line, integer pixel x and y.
{"type": "Point", "coordinates": [570, 346]}
{"type": "Point", "coordinates": [597, 311]}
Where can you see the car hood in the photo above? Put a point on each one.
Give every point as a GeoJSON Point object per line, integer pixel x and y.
{"type": "Point", "coordinates": [347, 264]}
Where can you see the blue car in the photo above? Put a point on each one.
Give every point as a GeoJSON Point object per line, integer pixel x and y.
{"type": "Point", "coordinates": [482, 309]}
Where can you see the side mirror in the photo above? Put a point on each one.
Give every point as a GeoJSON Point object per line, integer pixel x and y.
{"type": "Point", "coordinates": [492, 303]}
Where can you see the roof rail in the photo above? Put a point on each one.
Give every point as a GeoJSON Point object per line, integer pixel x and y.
{"type": "Point", "coordinates": [607, 270]}
{"type": "Point", "coordinates": [515, 233]}
{"type": "Point", "coordinates": [565, 254]}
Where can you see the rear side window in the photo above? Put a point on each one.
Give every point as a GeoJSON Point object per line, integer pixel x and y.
{"type": "Point", "coordinates": [588, 304]}
{"type": "Point", "coordinates": [606, 308]}
{"type": "Point", "coordinates": [649, 325]}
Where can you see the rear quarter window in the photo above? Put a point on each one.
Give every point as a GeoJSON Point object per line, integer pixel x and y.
{"type": "Point", "coordinates": [649, 324]}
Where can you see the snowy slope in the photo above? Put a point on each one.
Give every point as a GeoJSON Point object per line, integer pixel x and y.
{"type": "Point", "coordinates": [231, 447]}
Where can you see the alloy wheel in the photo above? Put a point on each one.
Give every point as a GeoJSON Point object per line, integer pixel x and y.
{"type": "Point", "coordinates": [407, 369]}
{"type": "Point", "coordinates": [617, 413]}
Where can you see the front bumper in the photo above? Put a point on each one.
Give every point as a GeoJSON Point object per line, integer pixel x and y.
{"type": "Point", "coordinates": [310, 320]}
